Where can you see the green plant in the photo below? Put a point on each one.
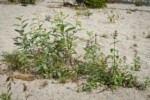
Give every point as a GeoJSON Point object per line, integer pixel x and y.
{"type": "Point", "coordinates": [46, 52]}
{"type": "Point", "coordinates": [138, 3]}
{"type": "Point", "coordinates": [136, 62]}
{"type": "Point", "coordinates": [118, 74]}
{"type": "Point", "coordinates": [6, 96]}
{"type": "Point", "coordinates": [88, 13]}
{"type": "Point", "coordinates": [104, 35]}
{"type": "Point", "coordinates": [24, 2]}
{"type": "Point", "coordinates": [16, 60]}
{"type": "Point", "coordinates": [50, 53]}
{"type": "Point", "coordinates": [84, 12]}
{"type": "Point", "coordinates": [144, 85]}
{"type": "Point", "coordinates": [95, 3]}
{"type": "Point", "coordinates": [100, 72]}
{"type": "Point", "coordinates": [112, 16]}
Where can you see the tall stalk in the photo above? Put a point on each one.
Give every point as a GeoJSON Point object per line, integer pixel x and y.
{"type": "Point", "coordinates": [114, 51]}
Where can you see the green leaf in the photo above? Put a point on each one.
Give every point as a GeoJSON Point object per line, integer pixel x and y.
{"type": "Point", "coordinates": [19, 31]}
{"type": "Point", "coordinates": [24, 25]}
{"type": "Point", "coordinates": [38, 68]}
{"type": "Point", "coordinates": [60, 54]}
{"type": "Point", "coordinates": [111, 50]}
{"type": "Point", "coordinates": [70, 29]}
{"type": "Point", "coordinates": [25, 20]}
{"type": "Point", "coordinates": [117, 57]}
{"type": "Point", "coordinates": [18, 44]}
{"type": "Point", "coordinates": [29, 55]}
{"type": "Point", "coordinates": [34, 19]}
{"type": "Point", "coordinates": [78, 23]}
{"type": "Point", "coordinates": [19, 18]}
{"type": "Point", "coordinates": [89, 33]}
{"type": "Point", "coordinates": [45, 67]}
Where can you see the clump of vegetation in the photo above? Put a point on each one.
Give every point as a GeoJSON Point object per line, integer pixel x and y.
{"type": "Point", "coordinates": [41, 49]}
{"type": "Point", "coordinates": [138, 3]}
{"type": "Point", "coordinates": [24, 2]}
{"type": "Point", "coordinates": [144, 85]}
{"type": "Point", "coordinates": [112, 16]}
{"type": "Point", "coordinates": [6, 96]}
{"type": "Point", "coordinates": [84, 13]}
{"type": "Point", "coordinates": [105, 35]}
{"type": "Point", "coordinates": [50, 53]}
{"type": "Point", "coordinates": [136, 62]}
{"type": "Point", "coordinates": [95, 3]}
{"type": "Point", "coordinates": [102, 73]}
{"type": "Point", "coordinates": [80, 2]}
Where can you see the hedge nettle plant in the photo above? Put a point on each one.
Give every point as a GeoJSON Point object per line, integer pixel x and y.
{"type": "Point", "coordinates": [40, 49]}
{"type": "Point", "coordinates": [50, 53]}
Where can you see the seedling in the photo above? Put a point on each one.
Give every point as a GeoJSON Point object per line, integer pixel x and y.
{"type": "Point", "coordinates": [84, 13]}
{"type": "Point", "coordinates": [112, 17]}
{"type": "Point", "coordinates": [136, 62]}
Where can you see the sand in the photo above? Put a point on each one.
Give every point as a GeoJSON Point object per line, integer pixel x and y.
{"type": "Point", "coordinates": [132, 22]}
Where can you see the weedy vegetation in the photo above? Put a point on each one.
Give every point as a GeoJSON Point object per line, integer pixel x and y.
{"type": "Point", "coordinates": [86, 13]}
{"type": "Point", "coordinates": [112, 16]}
{"type": "Point", "coordinates": [50, 52]}
{"type": "Point", "coordinates": [23, 2]}
{"type": "Point", "coordinates": [6, 96]}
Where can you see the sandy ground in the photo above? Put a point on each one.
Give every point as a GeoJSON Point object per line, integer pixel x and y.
{"type": "Point", "coordinates": [131, 23]}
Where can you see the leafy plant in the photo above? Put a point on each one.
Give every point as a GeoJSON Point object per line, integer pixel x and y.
{"type": "Point", "coordinates": [95, 3]}
{"type": "Point", "coordinates": [112, 17]}
{"type": "Point", "coordinates": [46, 52]}
{"type": "Point", "coordinates": [79, 2]}
{"type": "Point", "coordinates": [6, 96]}
{"type": "Point", "coordinates": [24, 2]}
{"type": "Point", "coordinates": [17, 61]}
{"type": "Point", "coordinates": [144, 85]}
{"type": "Point", "coordinates": [136, 62]}
{"type": "Point", "coordinates": [84, 13]}
{"type": "Point", "coordinates": [50, 53]}
{"type": "Point", "coordinates": [104, 35]}
{"type": "Point", "coordinates": [103, 73]}
{"type": "Point", "coordinates": [138, 3]}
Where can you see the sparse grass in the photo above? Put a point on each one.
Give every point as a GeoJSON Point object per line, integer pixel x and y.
{"type": "Point", "coordinates": [83, 13]}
